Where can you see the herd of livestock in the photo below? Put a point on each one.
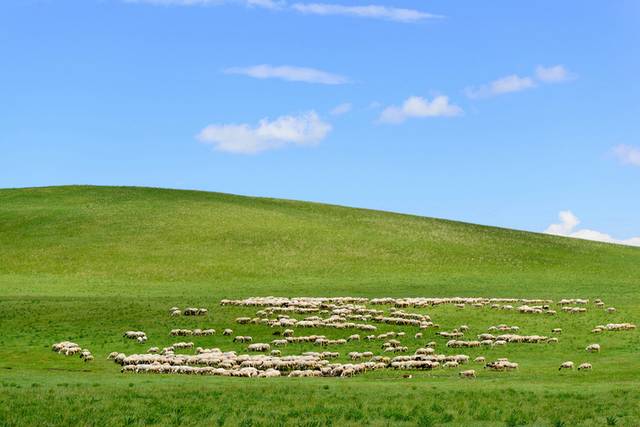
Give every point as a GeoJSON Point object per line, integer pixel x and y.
{"type": "Point", "coordinates": [361, 315]}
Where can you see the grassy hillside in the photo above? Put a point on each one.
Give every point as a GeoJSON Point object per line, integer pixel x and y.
{"type": "Point", "coordinates": [87, 263]}
{"type": "Point", "coordinates": [123, 235]}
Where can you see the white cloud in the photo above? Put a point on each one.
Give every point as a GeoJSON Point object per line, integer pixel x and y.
{"type": "Point", "coordinates": [267, 4]}
{"type": "Point", "coordinates": [325, 9]}
{"type": "Point", "coordinates": [508, 84]}
{"type": "Point", "coordinates": [553, 74]}
{"type": "Point", "coordinates": [341, 109]}
{"type": "Point", "coordinates": [567, 227]}
{"type": "Point", "coordinates": [515, 83]}
{"type": "Point", "coordinates": [368, 11]}
{"type": "Point", "coordinates": [627, 154]}
{"type": "Point", "coordinates": [418, 107]}
{"type": "Point", "coordinates": [286, 72]}
{"type": "Point", "coordinates": [303, 130]}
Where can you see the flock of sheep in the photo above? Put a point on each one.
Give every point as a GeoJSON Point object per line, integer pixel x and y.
{"type": "Point", "coordinates": [342, 313]}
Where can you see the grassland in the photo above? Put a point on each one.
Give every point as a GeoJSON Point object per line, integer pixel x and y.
{"type": "Point", "coordinates": [87, 263]}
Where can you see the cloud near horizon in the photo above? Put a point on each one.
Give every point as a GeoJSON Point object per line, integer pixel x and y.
{"type": "Point", "coordinates": [289, 73]}
{"type": "Point", "coordinates": [418, 107]}
{"type": "Point", "coordinates": [305, 129]}
{"type": "Point", "coordinates": [515, 83]}
{"type": "Point", "coordinates": [567, 228]}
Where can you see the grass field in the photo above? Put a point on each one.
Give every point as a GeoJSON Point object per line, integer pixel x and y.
{"type": "Point", "coordinates": [87, 263]}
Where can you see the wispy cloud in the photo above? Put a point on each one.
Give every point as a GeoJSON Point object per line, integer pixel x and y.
{"type": "Point", "coordinates": [418, 107]}
{"type": "Point", "coordinates": [341, 109]}
{"type": "Point", "coordinates": [553, 74]}
{"type": "Point", "coordinates": [368, 11]}
{"type": "Point", "coordinates": [627, 154]}
{"type": "Point", "coordinates": [515, 83]}
{"type": "Point", "coordinates": [302, 130]}
{"type": "Point", "coordinates": [508, 84]}
{"type": "Point", "coordinates": [372, 11]}
{"type": "Point", "coordinates": [567, 227]}
{"type": "Point", "coordinates": [290, 73]}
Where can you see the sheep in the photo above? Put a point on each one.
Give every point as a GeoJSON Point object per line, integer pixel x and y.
{"type": "Point", "coordinates": [467, 374]}
{"type": "Point", "coordinates": [176, 313]}
{"type": "Point", "coordinates": [151, 350]}
{"type": "Point", "coordinates": [584, 367]}
{"type": "Point", "coordinates": [479, 359]}
{"type": "Point", "coordinates": [450, 364]}
{"type": "Point", "coordinates": [182, 345]}
{"type": "Point", "coordinates": [112, 355]}
{"type": "Point", "coordinates": [556, 331]}
{"type": "Point", "coordinates": [418, 335]}
{"type": "Point", "coordinates": [354, 337]}
{"type": "Point", "coordinates": [611, 310]}
{"type": "Point", "coordinates": [617, 327]}
{"type": "Point", "coordinates": [566, 365]}
{"type": "Point", "coordinates": [227, 332]}
{"type": "Point", "coordinates": [259, 347]}
{"type": "Point", "coordinates": [134, 334]}
{"type": "Point", "coordinates": [593, 348]}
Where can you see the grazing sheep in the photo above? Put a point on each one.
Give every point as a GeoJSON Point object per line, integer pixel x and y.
{"type": "Point", "coordinates": [593, 348]}
{"type": "Point", "coordinates": [479, 359]}
{"type": "Point", "coordinates": [566, 365]}
{"type": "Point", "coordinates": [467, 374]}
{"type": "Point", "coordinates": [556, 331]}
{"type": "Point", "coordinates": [584, 367]}
{"type": "Point", "coordinates": [259, 347]}
{"type": "Point", "coordinates": [611, 310]}
{"type": "Point", "coordinates": [418, 335]}
{"type": "Point", "coordinates": [227, 332]}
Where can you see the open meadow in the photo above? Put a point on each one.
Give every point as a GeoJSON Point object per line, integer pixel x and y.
{"type": "Point", "coordinates": [86, 264]}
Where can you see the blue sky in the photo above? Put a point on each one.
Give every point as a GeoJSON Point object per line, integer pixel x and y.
{"type": "Point", "coordinates": [503, 113]}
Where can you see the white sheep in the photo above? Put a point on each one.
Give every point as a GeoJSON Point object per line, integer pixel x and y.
{"type": "Point", "coordinates": [593, 348]}
{"type": "Point", "coordinates": [566, 365]}
{"type": "Point", "coordinates": [467, 374]}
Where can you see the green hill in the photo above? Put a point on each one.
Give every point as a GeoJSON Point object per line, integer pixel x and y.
{"type": "Point", "coordinates": [121, 234]}
{"type": "Point", "coordinates": [86, 263]}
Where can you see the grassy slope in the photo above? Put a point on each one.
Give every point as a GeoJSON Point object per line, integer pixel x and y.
{"type": "Point", "coordinates": [85, 263]}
